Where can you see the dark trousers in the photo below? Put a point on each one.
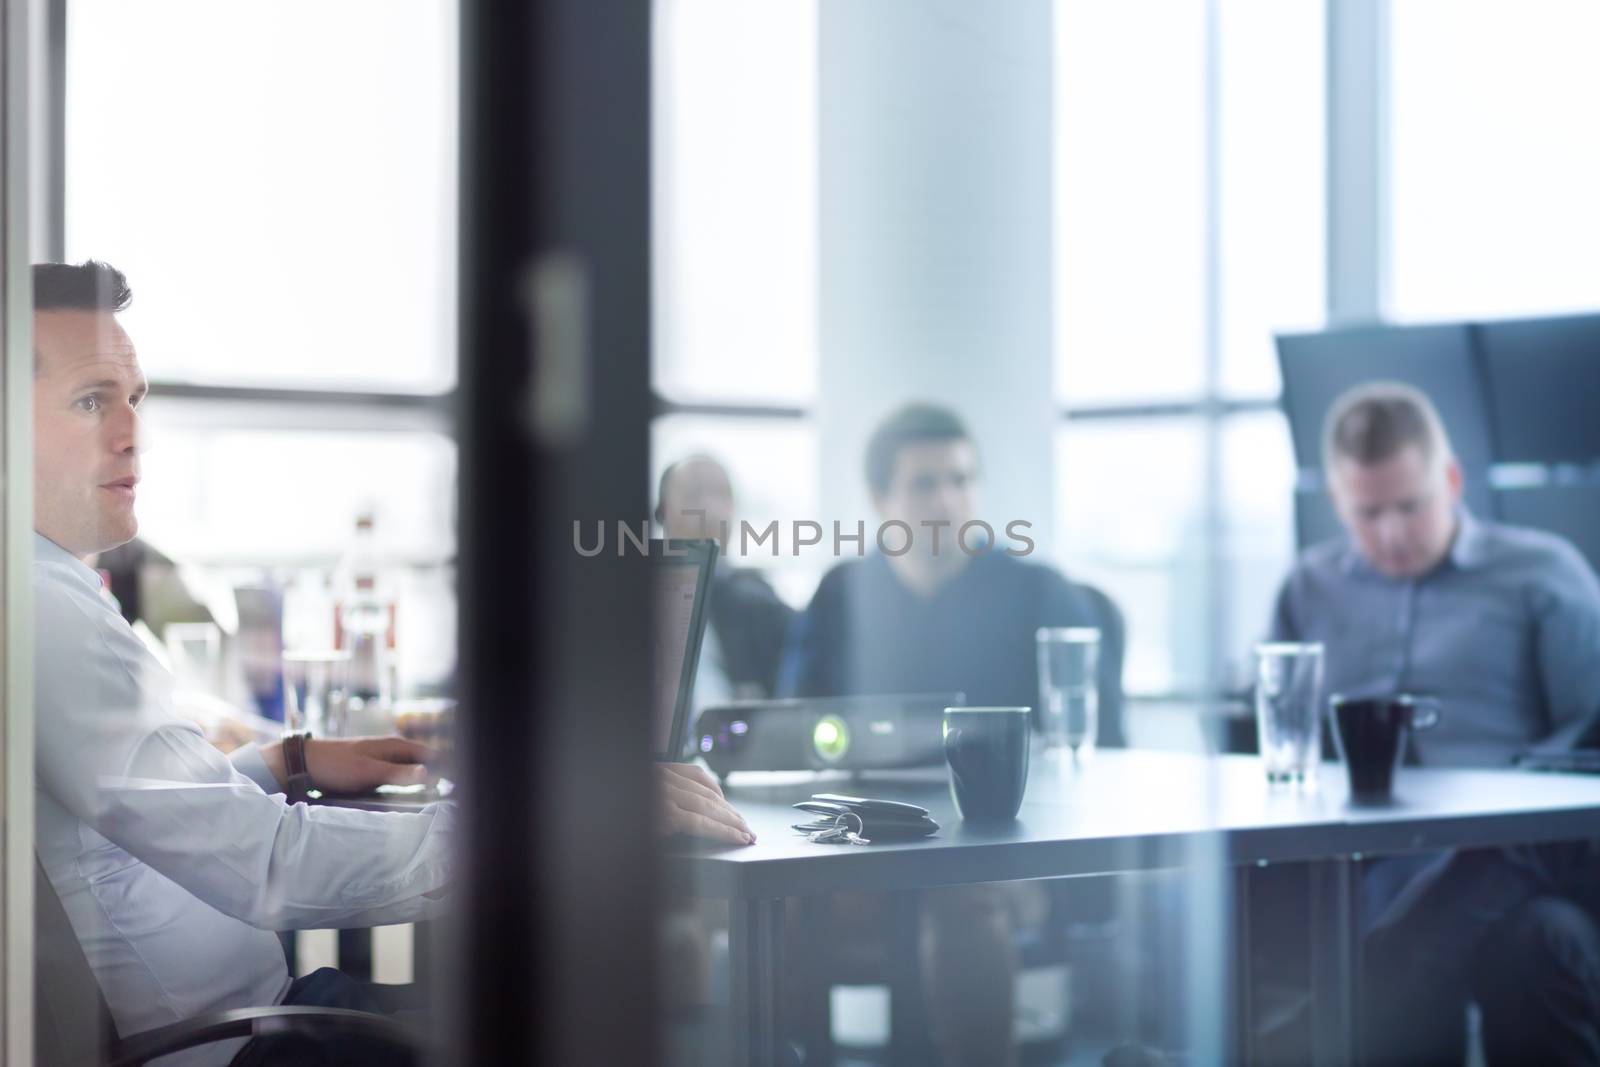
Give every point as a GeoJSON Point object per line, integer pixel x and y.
{"type": "Point", "coordinates": [1513, 929]}
{"type": "Point", "coordinates": [329, 988]}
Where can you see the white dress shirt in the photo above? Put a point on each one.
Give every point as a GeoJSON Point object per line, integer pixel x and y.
{"type": "Point", "coordinates": [175, 863]}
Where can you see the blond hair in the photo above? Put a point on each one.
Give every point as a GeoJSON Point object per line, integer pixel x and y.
{"type": "Point", "coordinates": [1374, 421]}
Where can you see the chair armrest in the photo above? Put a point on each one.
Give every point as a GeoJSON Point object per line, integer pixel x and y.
{"type": "Point", "coordinates": [136, 1049]}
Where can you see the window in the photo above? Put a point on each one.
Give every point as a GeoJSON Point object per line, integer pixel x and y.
{"type": "Point", "coordinates": [282, 496]}
{"type": "Point", "coordinates": [1258, 513]}
{"type": "Point", "coordinates": [283, 201]}
{"type": "Point", "coordinates": [735, 192]}
{"type": "Point", "coordinates": [735, 227]}
{"type": "Point", "coordinates": [280, 231]}
{"type": "Point", "coordinates": [1494, 166]}
{"type": "Point", "coordinates": [1271, 244]}
{"type": "Point", "coordinates": [1130, 201]}
{"type": "Point", "coordinates": [1190, 228]}
{"type": "Point", "coordinates": [1131, 512]}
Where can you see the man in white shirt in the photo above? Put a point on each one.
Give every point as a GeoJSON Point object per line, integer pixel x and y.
{"type": "Point", "coordinates": [174, 863]}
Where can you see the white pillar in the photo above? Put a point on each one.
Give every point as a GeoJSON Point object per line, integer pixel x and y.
{"type": "Point", "coordinates": [935, 133]}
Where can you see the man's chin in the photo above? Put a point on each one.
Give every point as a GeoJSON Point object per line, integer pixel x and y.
{"type": "Point", "coordinates": [118, 533]}
{"type": "Point", "coordinates": [1402, 570]}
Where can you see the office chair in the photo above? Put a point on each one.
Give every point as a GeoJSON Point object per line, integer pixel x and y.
{"type": "Point", "coordinates": [73, 1026]}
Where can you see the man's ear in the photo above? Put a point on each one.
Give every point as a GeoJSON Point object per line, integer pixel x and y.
{"type": "Point", "coordinates": [1453, 479]}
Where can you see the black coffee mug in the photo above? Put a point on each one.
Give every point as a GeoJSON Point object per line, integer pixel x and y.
{"type": "Point", "coordinates": [987, 750]}
{"type": "Point", "coordinates": [1371, 735]}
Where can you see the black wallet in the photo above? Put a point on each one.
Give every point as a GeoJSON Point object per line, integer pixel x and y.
{"type": "Point", "coordinates": [874, 820]}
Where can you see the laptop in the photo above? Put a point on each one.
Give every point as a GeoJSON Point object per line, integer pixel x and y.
{"type": "Point", "coordinates": [682, 584]}
{"type": "Point", "coordinates": [681, 573]}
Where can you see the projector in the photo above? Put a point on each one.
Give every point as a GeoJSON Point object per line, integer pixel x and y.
{"type": "Point", "coordinates": [855, 733]}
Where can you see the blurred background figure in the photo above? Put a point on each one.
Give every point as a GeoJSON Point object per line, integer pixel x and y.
{"type": "Point", "coordinates": [744, 642]}
{"type": "Point", "coordinates": [955, 612]}
{"type": "Point", "coordinates": [1501, 624]}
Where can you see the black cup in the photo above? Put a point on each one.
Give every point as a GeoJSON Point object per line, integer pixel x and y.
{"type": "Point", "coordinates": [1371, 734]}
{"type": "Point", "coordinates": [987, 750]}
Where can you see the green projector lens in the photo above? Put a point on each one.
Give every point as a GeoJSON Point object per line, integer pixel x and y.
{"type": "Point", "coordinates": [830, 738]}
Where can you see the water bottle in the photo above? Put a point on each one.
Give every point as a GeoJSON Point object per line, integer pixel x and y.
{"type": "Point", "coordinates": [364, 622]}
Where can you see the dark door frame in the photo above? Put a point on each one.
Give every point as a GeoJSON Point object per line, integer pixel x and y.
{"type": "Point", "coordinates": [557, 921]}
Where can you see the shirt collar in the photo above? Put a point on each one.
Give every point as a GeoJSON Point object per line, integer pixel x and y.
{"type": "Point", "coordinates": [47, 551]}
{"type": "Point", "coordinates": [1471, 547]}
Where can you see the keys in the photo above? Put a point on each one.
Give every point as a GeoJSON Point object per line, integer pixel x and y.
{"type": "Point", "coordinates": [840, 832]}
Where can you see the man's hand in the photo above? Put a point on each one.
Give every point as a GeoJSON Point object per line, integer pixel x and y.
{"type": "Point", "coordinates": [692, 803]}
{"type": "Point", "coordinates": [357, 764]}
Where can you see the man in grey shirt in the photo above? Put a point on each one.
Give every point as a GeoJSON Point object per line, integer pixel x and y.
{"type": "Point", "coordinates": [1502, 625]}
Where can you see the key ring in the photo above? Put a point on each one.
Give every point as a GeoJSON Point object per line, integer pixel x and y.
{"type": "Point", "coordinates": [840, 831]}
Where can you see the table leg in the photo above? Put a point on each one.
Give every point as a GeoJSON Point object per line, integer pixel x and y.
{"type": "Point", "coordinates": [909, 1039]}
{"type": "Point", "coordinates": [755, 949]}
{"type": "Point", "coordinates": [1335, 961]}
{"type": "Point", "coordinates": [1243, 1046]}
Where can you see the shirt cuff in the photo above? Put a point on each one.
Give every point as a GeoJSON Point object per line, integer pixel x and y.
{"type": "Point", "coordinates": [248, 761]}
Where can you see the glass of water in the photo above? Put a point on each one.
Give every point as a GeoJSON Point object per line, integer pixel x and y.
{"type": "Point", "coordinates": [1069, 666]}
{"type": "Point", "coordinates": [313, 692]}
{"type": "Point", "coordinates": [1288, 706]}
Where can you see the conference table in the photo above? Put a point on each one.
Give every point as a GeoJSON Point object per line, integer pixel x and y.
{"type": "Point", "coordinates": [1121, 812]}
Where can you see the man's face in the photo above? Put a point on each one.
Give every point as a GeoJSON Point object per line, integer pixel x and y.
{"type": "Point", "coordinates": [696, 486]}
{"type": "Point", "coordinates": [933, 481]}
{"type": "Point", "coordinates": [87, 388]}
{"type": "Point", "coordinates": [1401, 512]}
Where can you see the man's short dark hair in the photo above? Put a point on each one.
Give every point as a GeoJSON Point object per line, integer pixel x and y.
{"type": "Point", "coordinates": [912, 424]}
{"type": "Point", "coordinates": [87, 286]}
{"type": "Point", "coordinates": [1373, 422]}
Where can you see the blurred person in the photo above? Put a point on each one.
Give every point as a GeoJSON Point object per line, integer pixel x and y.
{"type": "Point", "coordinates": [174, 863]}
{"type": "Point", "coordinates": [749, 623]}
{"type": "Point", "coordinates": [908, 623]}
{"type": "Point", "coordinates": [1502, 625]}
{"type": "Point", "coordinates": [942, 618]}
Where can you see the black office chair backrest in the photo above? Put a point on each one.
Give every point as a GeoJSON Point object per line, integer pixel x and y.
{"type": "Point", "coordinates": [72, 1024]}
{"type": "Point", "coordinates": [1542, 376]}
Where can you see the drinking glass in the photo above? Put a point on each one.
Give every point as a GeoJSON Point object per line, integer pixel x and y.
{"type": "Point", "coordinates": [1288, 710]}
{"type": "Point", "coordinates": [313, 691]}
{"type": "Point", "coordinates": [1069, 663]}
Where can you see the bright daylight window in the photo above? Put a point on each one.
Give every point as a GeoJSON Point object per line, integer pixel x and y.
{"type": "Point", "coordinates": [1142, 316]}
{"type": "Point", "coordinates": [291, 232]}
{"type": "Point", "coordinates": [735, 194]}
{"type": "Point", "coordinates": [735, 246]}
{"type": "Point", "coordinates": [1169, 296]}
{"type": "Point", "coordinates": [1494, 159]}
{"type": "Point", "coordinates": [282, 199]}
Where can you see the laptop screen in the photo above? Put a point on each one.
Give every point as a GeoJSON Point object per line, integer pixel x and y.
{"type": "Point", "coordinates": [682, 586]}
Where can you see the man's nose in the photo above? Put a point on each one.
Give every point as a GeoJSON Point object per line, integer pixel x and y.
{"type": "Point", "coordinates": [1391, 528]}
{"type": "Point", "coordinates": [130, 435]}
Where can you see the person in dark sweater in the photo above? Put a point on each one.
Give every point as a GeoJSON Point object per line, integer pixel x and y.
{"type": "Point", "coordinates": [868, 631]}
{"type": "Point", "coordinates": [954, 612]}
